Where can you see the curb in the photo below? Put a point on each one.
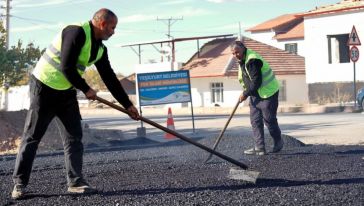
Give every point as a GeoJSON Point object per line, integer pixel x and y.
{"type": "Point", "coordinates": [308, 109]}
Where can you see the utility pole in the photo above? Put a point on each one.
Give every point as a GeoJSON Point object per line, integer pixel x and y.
{"type": "Point", "coordinates": [5, 86]}
{"type": "Point", "coordinates": [239, 30]}
{"type": "Point", "coordinates": [170, 21]}
{"type": "Point", "coordinates": [7, 20]}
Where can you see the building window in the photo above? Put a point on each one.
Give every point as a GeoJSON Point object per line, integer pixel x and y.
{"type": "Point", "coordinates": [217, 92]}
{"type": "Point", "coordinates": [282, 91]}
{"type": "Point", "coordinates": [338, 50]}
{"type": "Point", "coordinates": [291, 48]}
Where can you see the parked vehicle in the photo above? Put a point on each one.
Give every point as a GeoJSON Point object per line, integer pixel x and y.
{"type": "Point", "coordinates": [360, 98]}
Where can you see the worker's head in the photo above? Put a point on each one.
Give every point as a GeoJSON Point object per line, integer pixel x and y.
{"type": "Point", "coordinates": [238, 50]}
{"type": "Point", "coordinates": [104, 22]}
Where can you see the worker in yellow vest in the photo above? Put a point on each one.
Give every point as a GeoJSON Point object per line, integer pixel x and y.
{"type": "Point", "coordinates": [259, 83]}
{"type": "Point", "coordinates": [53, 85]}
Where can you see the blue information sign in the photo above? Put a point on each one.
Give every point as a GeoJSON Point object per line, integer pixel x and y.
{"type": "Point", "coordinates": [164, 87]}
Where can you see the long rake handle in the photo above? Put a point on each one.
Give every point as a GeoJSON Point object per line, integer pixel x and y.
{"type": "Point", "coordinates": [218, 139]}
{"type": "Point", "coordinates": [222, 156]}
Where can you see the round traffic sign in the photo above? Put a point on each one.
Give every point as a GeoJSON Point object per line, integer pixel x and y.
{"type": "Point", "coordinates": [354, 53]}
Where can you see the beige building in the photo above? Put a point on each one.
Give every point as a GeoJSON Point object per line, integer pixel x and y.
{"type": "Point", "coordinates": [213, 72]}
{"type": "Point", "coordinates": [321, 35]}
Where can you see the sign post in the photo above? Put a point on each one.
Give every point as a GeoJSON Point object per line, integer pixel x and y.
{"type": "Point", "coordinates": [354, 54]}
{"type": "Point", "coordinates": [164, 88]}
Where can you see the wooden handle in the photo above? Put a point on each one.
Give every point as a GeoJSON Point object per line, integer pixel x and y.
{"type": "Point", "coordinates": [218, 139]}
{"type": "Point", "coordinates": [222, 156]}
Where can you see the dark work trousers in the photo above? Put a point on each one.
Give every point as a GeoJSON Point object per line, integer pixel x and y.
{"type": "Point", "coordinates": [264, 110]}
{"type": "Point", "coordinates": [45, 104]}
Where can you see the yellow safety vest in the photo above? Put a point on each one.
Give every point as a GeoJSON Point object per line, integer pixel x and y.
{"type": "Point", "coordinates": [48, 68]}
{"type": "Point", "coordinates": [270, 84]}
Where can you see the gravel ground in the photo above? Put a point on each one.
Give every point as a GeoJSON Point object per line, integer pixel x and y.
{"type": "Point", "coordinates": [173, 173]}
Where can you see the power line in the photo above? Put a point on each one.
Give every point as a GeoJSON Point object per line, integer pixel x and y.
{"type": "Point", "coordinates": [170, 21]}
{"type": "Point", "coordinates": [33, 20]}
{"type": "Point", "coordinates": [37, 24]}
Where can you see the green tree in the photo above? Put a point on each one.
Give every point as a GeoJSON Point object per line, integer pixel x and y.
{"type": "Point", "coordinates": [2, 51]}
{"type": "Point", "coordinates": [16, 62]}
{"type": "Point", "coordinates": [93, 78]}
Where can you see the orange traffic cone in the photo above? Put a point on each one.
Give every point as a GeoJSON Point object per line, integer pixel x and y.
{"type": "Point", "coordinates": [170, 125]}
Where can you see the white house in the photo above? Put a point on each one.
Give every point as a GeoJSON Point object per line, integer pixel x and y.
{"type": "Point", "coordinates": [214, 74]}
{"type": "Point", "coordinates": [326, 34]}
{"type": "Point", "coordinates": [284, 32]}
{"type": "Point", "coordinates": [321, 36]}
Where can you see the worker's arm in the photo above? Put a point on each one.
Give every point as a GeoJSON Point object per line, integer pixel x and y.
{"type": "Point", "coordinates": [73, 38]}
{"type": "Point", "coordinates": [253, 66]}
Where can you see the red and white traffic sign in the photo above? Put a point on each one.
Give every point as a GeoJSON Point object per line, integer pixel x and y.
{"type": "Point", "coordinates": [354, 54]}
{"type": "Point", "coordinates": [353, 38]}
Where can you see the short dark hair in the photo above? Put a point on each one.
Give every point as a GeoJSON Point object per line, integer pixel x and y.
{"type": "Point", "coordinates": [239, 44]}
{"type": "Point", "coordinates": [104, 14]}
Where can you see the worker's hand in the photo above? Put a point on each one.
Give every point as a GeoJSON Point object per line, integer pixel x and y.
{"type": "Point", "coordinates": [133, 112]}
{"type": "Point", "coordinates": [242, 97]}
{"type": "Point", "coordinates": [91, 94]}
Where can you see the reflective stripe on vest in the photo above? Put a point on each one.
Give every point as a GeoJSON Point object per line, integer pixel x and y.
{"type": "Point", "coordinates": [266, 74]}
{"type": "Point", "coordinates": [48, 68]}
{"type": "Point", "coordinates": [270, 84]}
{"type": "Point", "coordinates": [54, 63]}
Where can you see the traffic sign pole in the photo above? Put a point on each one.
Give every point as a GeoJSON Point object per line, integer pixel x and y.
{"type": "Point", "coordinates": [354, 86]}
{"type": "Point", "coordinates": [354, 56]}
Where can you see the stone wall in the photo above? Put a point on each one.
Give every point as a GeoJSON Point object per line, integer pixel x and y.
{"type": "Point", "coordinates": [332, 92]}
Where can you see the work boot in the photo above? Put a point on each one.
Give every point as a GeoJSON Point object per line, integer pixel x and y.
{"type": "Point", "coordinates": [18, 191]}
{"type": "Point", "coordinates": [278, 146]}
{"type": "Point", "coordinates": [255, 151]}
{"type": "Point", "coordinates": [81, 187]}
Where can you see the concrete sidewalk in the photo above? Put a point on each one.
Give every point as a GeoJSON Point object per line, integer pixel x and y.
{"type": "Point", "coordinates": [243, 109]}
{"type": "Point", "coordinates": [322, 127]}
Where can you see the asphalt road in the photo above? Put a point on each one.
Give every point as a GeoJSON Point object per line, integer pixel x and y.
{"type": "Point", "coordinates": [150, 172]}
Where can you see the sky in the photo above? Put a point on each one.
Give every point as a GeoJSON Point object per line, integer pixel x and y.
{"type": "Point", "coordinates": [39, 21]}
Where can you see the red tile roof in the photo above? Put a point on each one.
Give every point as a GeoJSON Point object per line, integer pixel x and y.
{"type": "Point", "coordinates": [297, 32]}
{"type": "Point", "coordinates": [290, 26]}
{"type": "Point", "coordinates": [128, 85]}
{"type": "Point", "coordinates": [281, 62]}
{"type": "Point", "coordinates": [212, 59]}
{"type": "Point", "coordinates": [216, 59]}
{"type": "Point", "coordinates": [344, 5]}
{"type": "Point", "coordinates": [280, 21]}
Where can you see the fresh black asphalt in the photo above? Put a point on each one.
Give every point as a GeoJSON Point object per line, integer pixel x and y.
{"type": "Point", "coordinates": [144, 172]}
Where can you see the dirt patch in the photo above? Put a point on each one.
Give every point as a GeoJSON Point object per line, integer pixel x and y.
{"type": "Point", "coordinates": [11, 129]}
{"type": "Point", "coordinates": [11, 126]}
